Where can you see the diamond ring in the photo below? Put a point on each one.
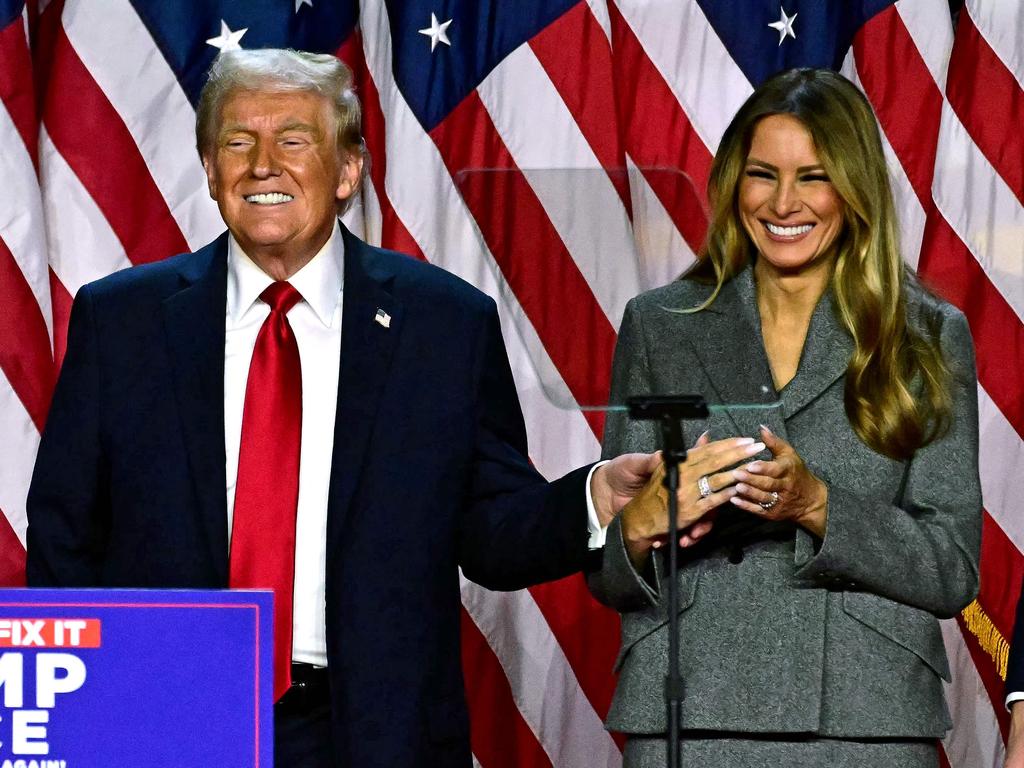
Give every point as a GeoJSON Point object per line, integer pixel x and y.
{"type": "Point", "coordinates": [704, 486]}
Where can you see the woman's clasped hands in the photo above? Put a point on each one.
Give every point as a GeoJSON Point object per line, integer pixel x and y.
{"type": "Point", "coordinates": [780, 489]}
{"type": "Point", "coordinates": [783, 488]}
{"type": "Point", "coordinates": [704, 484]}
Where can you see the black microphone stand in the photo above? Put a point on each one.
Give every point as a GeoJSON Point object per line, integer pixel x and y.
{"type": "Point", "coordinates": [669, 411]}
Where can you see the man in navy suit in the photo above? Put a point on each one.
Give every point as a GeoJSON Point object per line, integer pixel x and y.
{"type": "Point", "coordinates": [1015, 691]}
{"type": "Point", "coordinates": [406, 459]}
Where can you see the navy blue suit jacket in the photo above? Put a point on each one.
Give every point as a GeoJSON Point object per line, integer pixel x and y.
{"type": "Point", "coordinates": [1015, 668]}
{"type": "Point", "coordinates": [430, 472]}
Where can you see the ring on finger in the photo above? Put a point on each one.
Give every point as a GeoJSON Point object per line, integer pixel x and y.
{"type": "Point", "coordinates": [704, 486]}
{"type": "Point", "coordinates": [772, 503]}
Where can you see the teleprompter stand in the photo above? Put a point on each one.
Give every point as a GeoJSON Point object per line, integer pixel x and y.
{"type": "Point", "coordinates": [669, 411]}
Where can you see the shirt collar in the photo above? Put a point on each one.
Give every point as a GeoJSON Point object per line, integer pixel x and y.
{"type": "Point", "coordinates": [320, 281]}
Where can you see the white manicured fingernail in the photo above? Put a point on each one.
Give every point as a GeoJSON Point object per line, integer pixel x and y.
{"type": "Point", "coordinates": [755, 448]}
{"type": "Point", "coordinates": [744, 440]}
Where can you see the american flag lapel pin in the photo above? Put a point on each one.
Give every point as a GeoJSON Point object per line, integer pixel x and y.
{"type": "Point", "coordinates": [383, 318]}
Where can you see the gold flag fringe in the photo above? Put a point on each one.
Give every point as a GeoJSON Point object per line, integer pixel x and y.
{"type": "Point", "coordinates": [988, 636]}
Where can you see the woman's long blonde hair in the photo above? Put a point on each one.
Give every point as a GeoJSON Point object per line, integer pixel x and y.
{"type": "Point", "coordinates": [896, 396]}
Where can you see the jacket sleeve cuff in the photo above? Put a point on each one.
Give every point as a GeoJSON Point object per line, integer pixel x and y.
{"type": "Point", "coordinates": [825, 561]}
{"type": "Point", "coordinates": [617, 583]}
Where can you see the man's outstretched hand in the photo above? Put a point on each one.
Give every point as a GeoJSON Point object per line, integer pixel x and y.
{"type": "Point", "coordinates": [615, 484]}
{"type": "Point", "coordinates": [633, 475]}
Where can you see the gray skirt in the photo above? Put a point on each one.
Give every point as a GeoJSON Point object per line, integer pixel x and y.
{"type": "Point", "coordinates": [750, 751]}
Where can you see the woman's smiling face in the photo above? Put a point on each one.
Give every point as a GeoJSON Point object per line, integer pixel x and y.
{"type": "Point", "coordinates": [787, 203]}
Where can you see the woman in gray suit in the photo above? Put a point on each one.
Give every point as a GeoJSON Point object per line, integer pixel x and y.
{"type": "Point", "coordinates": [808, 624]}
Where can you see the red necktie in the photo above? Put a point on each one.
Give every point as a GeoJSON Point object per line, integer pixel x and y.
{"type": "Point", "coordinates": [267, 491]}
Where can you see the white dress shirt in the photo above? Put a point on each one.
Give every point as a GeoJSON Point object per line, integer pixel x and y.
{"type": "Point", "coordinates": [598, 535]}
{"type": "Point", "coordinates": [316, 322]}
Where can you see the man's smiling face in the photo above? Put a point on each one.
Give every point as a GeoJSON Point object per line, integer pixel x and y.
{"type": "Point", "coordinates": [277, 173]}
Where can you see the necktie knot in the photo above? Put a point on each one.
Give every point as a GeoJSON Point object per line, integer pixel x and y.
{"type": "Point", "coordinates": [281, 296]}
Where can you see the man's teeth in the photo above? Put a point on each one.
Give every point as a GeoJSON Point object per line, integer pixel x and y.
{"type": "Point", "coordinates": [268, 198]}
{"type": "Point", "coordinates": [788, 231]}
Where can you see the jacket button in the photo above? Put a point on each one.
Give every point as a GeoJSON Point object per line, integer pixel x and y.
{"type": "Point", "coordinates": [736, 555]}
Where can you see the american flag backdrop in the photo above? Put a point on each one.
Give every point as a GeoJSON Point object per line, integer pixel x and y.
{"type": "Point", "coordinates": [98, 172]}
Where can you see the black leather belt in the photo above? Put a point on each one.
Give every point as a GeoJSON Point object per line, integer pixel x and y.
{"type": "Point", "coordinates": [310, 690]}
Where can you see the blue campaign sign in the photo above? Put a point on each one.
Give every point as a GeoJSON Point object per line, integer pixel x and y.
{"type": "Point", "coordinates": [135, 678]}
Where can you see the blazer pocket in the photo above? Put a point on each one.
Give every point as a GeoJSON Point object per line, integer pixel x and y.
{"type": "Point", "coordinates": [637, 626]}
{"type": "Point", "coordinates": [911, 628]}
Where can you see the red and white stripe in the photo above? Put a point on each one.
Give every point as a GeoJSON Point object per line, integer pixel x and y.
{"type": "Point", "coordinates": [116, 49]}
{"type": "Point", "coordinates": [560, 437]}
{"type": "Point", "coordinates": [975, 741]}
{"type": "Point", "coordinates": [26, 351]}
{"type": "Point", "coordinates": [626, 84]}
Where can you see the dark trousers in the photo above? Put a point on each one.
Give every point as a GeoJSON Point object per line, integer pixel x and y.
{"type": "Point", "coordinates": [302, 722]}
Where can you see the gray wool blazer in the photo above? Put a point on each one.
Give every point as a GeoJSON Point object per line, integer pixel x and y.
{"type": "Point", "coordinates": [781, 632]}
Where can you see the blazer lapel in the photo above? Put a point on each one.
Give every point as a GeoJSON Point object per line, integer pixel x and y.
{"type": "Point", "coordinates": [826, 354]}
{"type": "Point", "coordinates": [729, 347]}
{"type": "Point", "coordinates": [371, 326]}
{"type": "Point", "coordinates": [194, 325]}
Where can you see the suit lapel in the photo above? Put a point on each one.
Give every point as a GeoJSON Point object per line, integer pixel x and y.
{"type": "Point", "coordinates": [367, 346]}
{"type": "Point", "coordinates": [194, 326]}
{"type": "Point", "coordinates": [826, 354]}
{"type": "Point", "coordinates": [728, 345]}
